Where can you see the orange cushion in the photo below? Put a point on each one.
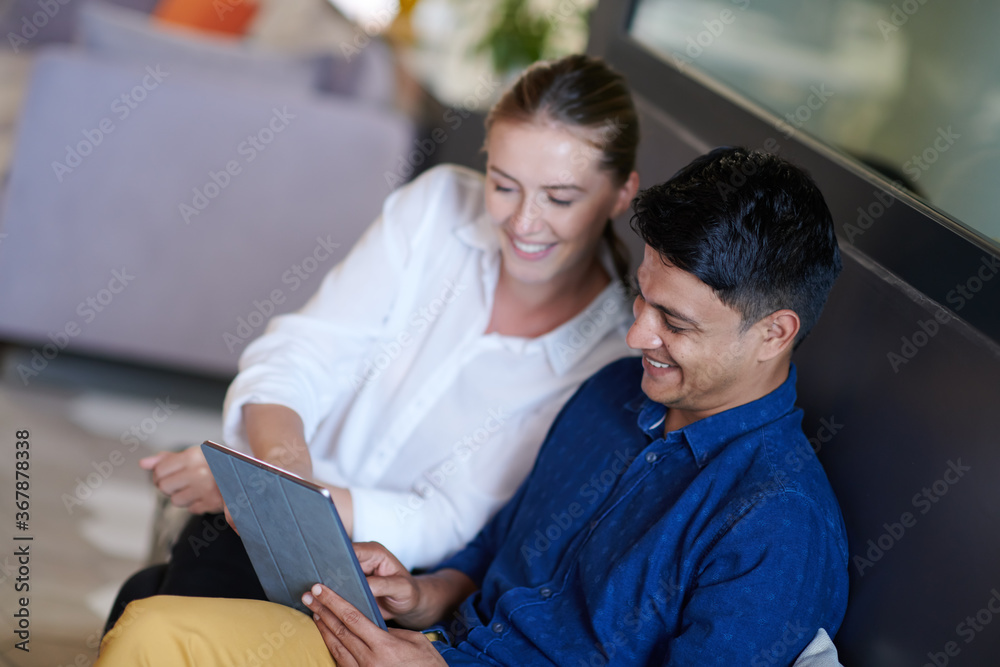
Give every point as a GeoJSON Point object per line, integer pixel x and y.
{"type": "Point", "coordinates": [230, 17]}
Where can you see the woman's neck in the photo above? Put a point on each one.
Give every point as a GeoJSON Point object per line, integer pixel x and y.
{"type": "Point", "coordinates": [530, 310]}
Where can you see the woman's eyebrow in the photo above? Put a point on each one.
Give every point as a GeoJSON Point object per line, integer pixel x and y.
{"type": "Point", "coordinates": [557, 186]}
{"type": "Point", "coordinates": [502, 173]}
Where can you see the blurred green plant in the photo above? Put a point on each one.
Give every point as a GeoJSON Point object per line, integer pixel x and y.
{"type": "Point", "coordinates": [521, 33]}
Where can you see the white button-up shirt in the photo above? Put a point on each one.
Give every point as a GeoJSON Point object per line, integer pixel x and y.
{"type": "Point", "coordinates": [430, 422]}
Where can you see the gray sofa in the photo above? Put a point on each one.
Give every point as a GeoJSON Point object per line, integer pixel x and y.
{"type": "Point", "coordinates": [168, 193]}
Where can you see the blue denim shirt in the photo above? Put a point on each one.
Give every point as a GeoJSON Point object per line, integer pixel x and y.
{"type": "Point", "coordinates": [719, 544]}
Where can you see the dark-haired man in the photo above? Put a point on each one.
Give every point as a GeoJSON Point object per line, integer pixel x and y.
{"type": "Point", "coordinates": [661, 523]}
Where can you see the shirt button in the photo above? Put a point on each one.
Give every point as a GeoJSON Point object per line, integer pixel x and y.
{"type": "Point", "coordinates": [651, 457]}
{"type": "Point", "coordinates": [545, 592]}
{"type": "Point", "coordinates": [497, 627]}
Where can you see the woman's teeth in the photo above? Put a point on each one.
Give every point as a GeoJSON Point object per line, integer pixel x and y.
{"type": "Point", "coordinates": [531, 248]}
{"type": "Point", "coordinates": [656, 364]}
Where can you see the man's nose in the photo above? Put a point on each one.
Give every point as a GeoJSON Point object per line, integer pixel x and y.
{"type": "Point", "coordinates": [641, 335]}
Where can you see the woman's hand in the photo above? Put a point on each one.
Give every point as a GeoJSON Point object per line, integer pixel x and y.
{"type": "Point", "coordinates": [186, 478]}
{"type": "Point", "coordinates": [352, 639]}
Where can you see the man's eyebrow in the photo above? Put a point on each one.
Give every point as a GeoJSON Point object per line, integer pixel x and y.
{"type": "Point", "coordinates": [558, 186]}
{"type": "Point", "coordinates": [669, 312]}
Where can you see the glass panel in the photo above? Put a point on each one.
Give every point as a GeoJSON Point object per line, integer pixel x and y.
{"type": "Point", "coordinates": [909, 87]}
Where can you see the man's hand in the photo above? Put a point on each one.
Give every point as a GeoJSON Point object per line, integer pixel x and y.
{"type": "Point", "coordinates": [352, 639]}
{"type": "Point", "coordinates": [394, 588]}
{"type": "Point", "coordinates": [415, 602]}
{"type": "Point", "coordinates": [186, 478]}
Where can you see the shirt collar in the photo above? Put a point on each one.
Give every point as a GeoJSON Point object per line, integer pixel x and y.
{"type": "Point", "coordinates": [570, 342]}
{"type": "Point", "coordinates": [707, 437]}
{"type": "Point", "coordinates": [479, 233]}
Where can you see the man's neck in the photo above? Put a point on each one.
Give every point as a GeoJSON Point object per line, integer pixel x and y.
{"type": "Point", "coordinates": [765, 382]}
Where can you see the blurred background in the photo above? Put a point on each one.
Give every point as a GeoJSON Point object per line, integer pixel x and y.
{"type": "Point", "coordinates": [174, 173]}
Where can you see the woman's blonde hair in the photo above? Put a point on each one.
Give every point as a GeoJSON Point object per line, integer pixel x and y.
{"type": "Point", "coordinates": [580, 92]}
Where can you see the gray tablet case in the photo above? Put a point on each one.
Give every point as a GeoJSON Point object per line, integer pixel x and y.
{"type": "Point", "coordinates": [291, 530]}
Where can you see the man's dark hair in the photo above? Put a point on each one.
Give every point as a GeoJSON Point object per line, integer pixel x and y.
{"type": "Point", "coordinates": [751, 226]}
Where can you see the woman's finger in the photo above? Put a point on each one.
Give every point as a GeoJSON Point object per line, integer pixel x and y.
{"type": "Point", "coordinates": [172, 484]}
{"type": "Point", "coordinates": [149, 462]}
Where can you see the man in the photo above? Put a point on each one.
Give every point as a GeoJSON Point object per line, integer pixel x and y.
{"type": "Point", "coordinates": [662, 522]}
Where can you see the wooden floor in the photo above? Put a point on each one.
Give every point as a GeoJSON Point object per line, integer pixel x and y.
{"type": "Point", "coordinates": [91, 506]}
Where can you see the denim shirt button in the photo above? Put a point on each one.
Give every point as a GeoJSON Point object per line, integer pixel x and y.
{"type": "Point", "coordinates": [545, 592]}
{"type": "Point", "coordinates": [498, 627]}
{"type": "Point", "coordinates": [651, 457]}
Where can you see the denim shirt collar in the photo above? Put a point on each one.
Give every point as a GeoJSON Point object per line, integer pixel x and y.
{"type": "Point", "coordinates": [707, 437]}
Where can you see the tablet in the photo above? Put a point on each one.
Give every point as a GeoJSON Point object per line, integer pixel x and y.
{"type": "Point", "coordinates": [291, 530]}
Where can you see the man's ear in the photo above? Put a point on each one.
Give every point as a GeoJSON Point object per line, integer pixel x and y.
{"type": "Point", "coordinates": [626, 193]}
{"type": "Point", "coordinates": [779, 331]}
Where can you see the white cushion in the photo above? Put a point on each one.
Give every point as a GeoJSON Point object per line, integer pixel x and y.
{"type": "Point", "coordinates": [819, 653]}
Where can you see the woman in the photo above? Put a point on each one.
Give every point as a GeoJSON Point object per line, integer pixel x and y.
{"type": "Point", "coordinates": [418, 383]}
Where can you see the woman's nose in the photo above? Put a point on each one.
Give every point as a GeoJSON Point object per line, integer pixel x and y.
{"type": "Point", "coordinates": [526, 219]}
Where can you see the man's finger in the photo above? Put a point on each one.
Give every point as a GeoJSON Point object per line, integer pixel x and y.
{"type": "Point", "coordinates": [396, 588]}
{"type": "Point", "coordinates": [340, 654]}
{"type": "Point", "coordinates": [355, 623]}
{"type": "Point", "coordinates": [338, 637]}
